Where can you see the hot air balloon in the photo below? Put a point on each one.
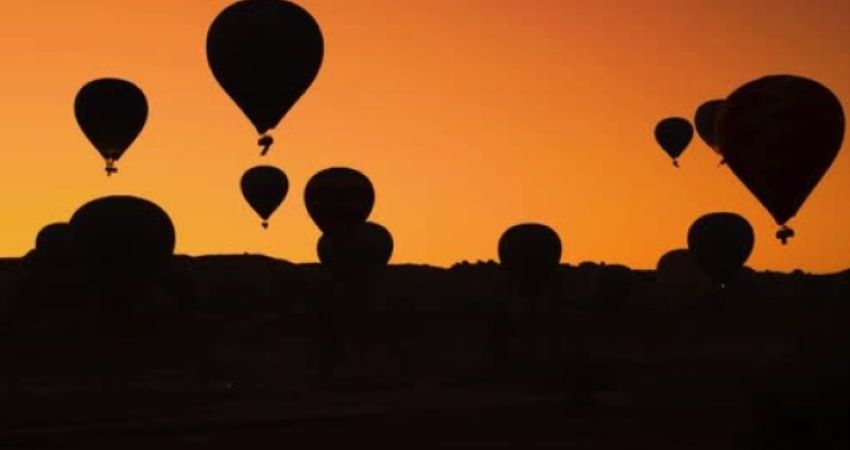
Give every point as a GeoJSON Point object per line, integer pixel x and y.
{"type": "Point", "coordinates": [264, 188]}
{"type": "Point", "coordinates": [674, 134]}
{"type": "Point", "coordinates": [123, 241]}
{"type": "Point", "coordinates": [365, 252]}
{"type": "Point", "coordinates": [680, 276]}
{"type": "Point", "coordinates": [721, 243]}
{"type": "Point", "coordinates": [54, 244]}
{"type": "Point", "coordinates": [338, 199]}
{"type": "Point", "coordinates": [705, 120]}
{"type": "Point", "coordinates": [530, 253]}
{"type": "Point", "coordinates": [111, 113]}
{"type": "Point", "coordinates": [265, 54]}
{"type": "Point", "coordinates": [779, 135]}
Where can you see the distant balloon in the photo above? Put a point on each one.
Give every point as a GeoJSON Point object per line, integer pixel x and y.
{"type": "Point", "coordinates": [54, 244]}
{"type": "Point", "coordinates": [338, 199]}
{"type": "Point", "coordinates": [705, 120]}
{"type": "Point", "coordinates": [721, 243]}
{"type": "Point", "coordinates": [122, 239]}
{"type": "Point", "coordinates": [674, 134]}
{"type": "Point", "coordinates": [264, 188]}
{"type": "Point", "coordinates": [530, 253]}
{"type": "Point", "coordinates": [367, 250]}
{"type": "Point", "coordinates": [111, 113]}
{"type": "Point", "coordinates": [679, 274]}
{"type": "Point", "coordinates": [265, 54]}
{"type": "Point", "coordinates": [779, 135]}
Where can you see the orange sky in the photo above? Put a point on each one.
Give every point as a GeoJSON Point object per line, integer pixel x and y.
{"type": "Point", "coordinates": [468, 115]}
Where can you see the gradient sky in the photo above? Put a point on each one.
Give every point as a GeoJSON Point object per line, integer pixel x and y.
{"type": "Point", "coordinates": [468, 116]}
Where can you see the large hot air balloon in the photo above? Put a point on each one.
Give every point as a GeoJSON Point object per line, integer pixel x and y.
{"type": "Point", "coordinates": [264, 188]}
{"type": "Point", "coordinates": [265, 54]}
{"type": "Point", "coordinates": [779, 135]}
{"type": "Point", "coordinates": [721, 243]}
{"type": "Point", "coordinates": [123, 241]}
{"type": "Point", "coordinates": [338, 199]}
{"type": "Point", "coordinates": [530, 253]}
{"type": "Point", "coordinates": [111, 113]}
{"type": "Point", "coordinates": [673, 135]}
{"type": "Point", "coordinates": [366, 251]}
{"type": "Point", "coordinates": [705, 121]}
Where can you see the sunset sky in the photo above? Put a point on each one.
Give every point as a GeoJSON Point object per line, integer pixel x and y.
{"type": "Point", "coordinates": [468, 115]}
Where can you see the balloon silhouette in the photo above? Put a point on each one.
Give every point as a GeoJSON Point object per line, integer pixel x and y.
{"type": "Point", "coordinates": [366, 251]}
{"type": "Point", "coordinates": [111, 113]}
{"type": "Point", "coordinates": [678, 273]}
{"type": "Point", "coordinates": [779, 135]}
{"type": "Point", "coordinates": [265, 54]}
{"type": "Point", "coordinates": [705, 120]}
{"type": "Point", "coordinates": [123, 240]}
{"type": "Point", "coordinates": [54, 244]}
{"type": "Point", "coordinates": [264, 188]}
{"type": "Point", "coordinates": [530, 253]}
{"type": "Point", "coordinates": [338, 199]}
{"type": "Point", "coordinates": [674, 134]}
{"type": "Point", "coordinates": [721, 243]}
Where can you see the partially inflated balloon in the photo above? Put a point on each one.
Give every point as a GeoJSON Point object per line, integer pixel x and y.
{"type": "Point", "coordinates": [265, 54]}
{"type": "Point", "coordinates": [54, 244]}
{"type": "Point", "coordinates": [673, 135]}
{"type": "Point", "coordinates": [679, 274]}
{"type": "Point", "coordinates": [123, 240]}
{"type": "Point", "coordinates": [111, 113]}
{"type": "Point", "coordinates": [721, 243]}
{"type": "Point", "coordinates": [779, 135]}
{"type": "Point", "coordinates": [264, 188]}
{"type": "Point", "coordinates": [530, 253]}
{"type": "Point", "coordinates": [338, 199]}
{"type": "Point", "coordinates": [705, 120]}
{"type": "Point", "coordinates": [366, 251]}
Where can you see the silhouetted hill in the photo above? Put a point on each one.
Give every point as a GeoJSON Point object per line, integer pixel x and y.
{"type": "Point", "coordinates": [241, 343]}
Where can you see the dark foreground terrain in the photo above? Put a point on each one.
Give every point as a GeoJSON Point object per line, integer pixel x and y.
{"type": "Point", "coordinates": [232, 352]}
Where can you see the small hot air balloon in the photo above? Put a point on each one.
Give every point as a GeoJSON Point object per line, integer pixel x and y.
{"type": "Point", "coordinates": [779, 135]}
{"type": "Point", "coordinates": [54, 244]}
{"type": "Point", "coordinates": [674, 134]}
{"type": "Point", "coordinates": [721, 243]}
{"type": "Point", "coordinates": [365, 252]}
{"type": "Point", "coordinates": [705, 121]}
{"type": "Point", "coordinates": [111, 113]}
{"type": "Point", "coordinates": [264, 188]}
{"type": "Point", "coordinates": [265, 54]}
{"type": "Point", "coordinates": [530, 253]}
{"type": "Point", "coordinates": [339, 199]}
{"type": "Point", "coordinates": [680, 276]}
{"type": "Point", "coordinates": [123, 241]}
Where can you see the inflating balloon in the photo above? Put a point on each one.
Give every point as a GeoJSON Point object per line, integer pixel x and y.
{"type": "Point", "coordinates": [366, 251]}
{"type": "Point", "coordinates": [674, 134]}
{"type": "Point", "coordinates": [705, 121]}
{"type": "Point", "coordinates": [530, 253]}
{"type": "Point", "coordinates": [679, 274]}
{"type": "Point", "coordinates": [264, 188]}
{"type": "Point", "coordinates": [54, 244]}
{"type": "Point", "coordinates": [721, 243]}
{"type": "Point", "coordinates": [265, 54]}
{"type": "Point", "coordinates": [338, 199]}
{"type": "Point", "coordinates": [779, 135]}
{"type": "Point", "coordinates": [111, 113]}
{"type": "Point", "coordinates": [123, 240]}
